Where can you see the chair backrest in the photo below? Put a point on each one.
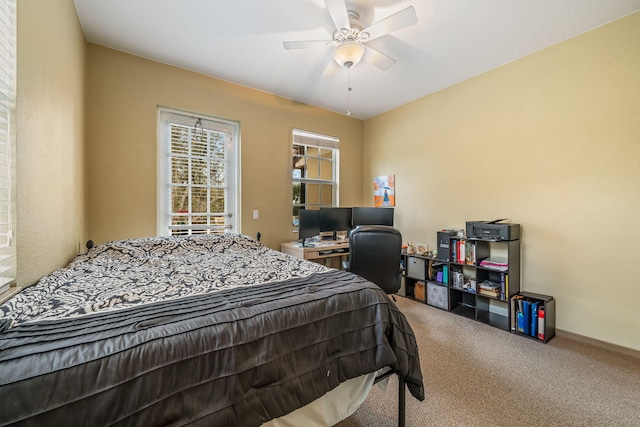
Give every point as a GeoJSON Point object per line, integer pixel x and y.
{"type": "Point", "coordinates": [374, 253]}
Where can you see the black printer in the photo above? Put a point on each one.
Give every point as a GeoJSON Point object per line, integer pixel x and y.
{"type": "Point", "coordinates": [493, 230]}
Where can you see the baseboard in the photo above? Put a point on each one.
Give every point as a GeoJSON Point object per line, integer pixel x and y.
{"type": "Point", "coordinates": [602, 344]}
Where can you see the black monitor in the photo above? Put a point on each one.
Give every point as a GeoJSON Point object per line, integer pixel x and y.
{"type": "Point", "coordinates": [372, 216]}
{"type": "Point", "coordinates": [334, 220]}
{"type": "Point", "coordinates": [308, 224]}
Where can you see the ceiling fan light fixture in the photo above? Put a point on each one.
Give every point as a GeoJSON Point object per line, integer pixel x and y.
{"type": "Point", "coordinates": [348, 53]}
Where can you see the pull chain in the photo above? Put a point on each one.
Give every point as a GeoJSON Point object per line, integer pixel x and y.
{"type": "Point", "coordinates": [348, 91]}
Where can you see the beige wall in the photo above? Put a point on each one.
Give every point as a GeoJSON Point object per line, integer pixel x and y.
{"type": "Point", "coordinates": [50, 137]}
{"type": "Point", "coordinates": [124, 92]}
{"type": "Point", "coordinates": [551, 141]}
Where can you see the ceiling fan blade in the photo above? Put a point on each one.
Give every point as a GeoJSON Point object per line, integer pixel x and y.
{"type": "Point", "coordinates": [306, 44]}
{"type": "Point", "coordinates": [331, 69]}
{"type": "Point", "coordinates": [397, 21]}
{"type": "Point", "coordinates": [338, 11]}
{"type": "Point", "coordinates": [379, 59]}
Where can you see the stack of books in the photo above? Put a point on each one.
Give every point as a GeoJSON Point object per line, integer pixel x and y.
{"type": "Point", "coordinates": [487, 287]}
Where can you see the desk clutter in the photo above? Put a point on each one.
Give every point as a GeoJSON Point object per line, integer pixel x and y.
{"type": "Point", "coordinates": [336, 222]}
{"type": "Point", "coordinates": [323, 233]}
{"type": "Point", "coordinates": [475, 273]}
{"type": "Point", "coordinates": [330, 253]}
{"type": "Point", "coordinates": [316, 244]}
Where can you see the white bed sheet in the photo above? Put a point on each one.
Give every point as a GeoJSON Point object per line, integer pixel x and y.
{"type": "Point", "coordinates": [330, 409]}
{"type": "Point", "coordinates": [335, 406]}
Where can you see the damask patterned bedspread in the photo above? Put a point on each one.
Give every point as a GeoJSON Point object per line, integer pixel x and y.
{"type": "Point", "coordinates": [176, 331]}
{"type": "Point", "coordinates": [126, 273]}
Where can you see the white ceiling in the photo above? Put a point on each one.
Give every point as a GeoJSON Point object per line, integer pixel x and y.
{"type": "Point", "coordinates": [240, 41]}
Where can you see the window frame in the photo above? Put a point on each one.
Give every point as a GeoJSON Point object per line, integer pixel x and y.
{"type": "Point", "coordinates": [308, 139]}
{"type": "Point", "coordinates": [231, 213]}
{"type": "Point", "coordinates": [8, 88]}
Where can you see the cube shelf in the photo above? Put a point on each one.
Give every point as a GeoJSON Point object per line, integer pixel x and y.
{"type": "Point", "coordinates": [476, 278]}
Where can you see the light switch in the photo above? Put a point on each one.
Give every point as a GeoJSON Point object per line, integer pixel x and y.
{"type": "Point", "coordinates": [256, 214]}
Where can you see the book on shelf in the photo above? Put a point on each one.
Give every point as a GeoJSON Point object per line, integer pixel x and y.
{"type": "Point", "coordinates": [520, 314]}
{"type": "Point", "coordinates": [515, 311]}
{"type": "Point", "coordinates": [471, 259]}
{"type": "Point", "coordinates": [520, 322]}
{"type": "Point", "coordinates": [533, 331]}
{"type": "Point", "coordinates": [467, 252]}
{"type": "Point", "coordinates": [526, 311]}
{"type": "Point", "coordinates": [454, 250]}
{"type": "Point", "coordinates": [506, 286]}
{"type": "Point", "coordinates": [541, 323]}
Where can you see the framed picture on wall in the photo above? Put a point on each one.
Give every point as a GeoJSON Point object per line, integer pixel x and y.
{"type": "Point", "coordinates": [384, 190]}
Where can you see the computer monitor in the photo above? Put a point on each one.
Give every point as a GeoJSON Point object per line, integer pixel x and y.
{"type": "Point", "coordinates": [334, 220]}
{"type": "Point", "coordinates": [372, 216]}
{"type": "Point", "coordinates": [308, 224]}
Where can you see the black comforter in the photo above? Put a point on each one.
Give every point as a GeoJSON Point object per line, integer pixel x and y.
{"type": "Point", "coordinates": [234, 357]}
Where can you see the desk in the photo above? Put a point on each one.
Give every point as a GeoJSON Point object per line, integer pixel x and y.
{"type": "Point", "coordinates": [325, 251]}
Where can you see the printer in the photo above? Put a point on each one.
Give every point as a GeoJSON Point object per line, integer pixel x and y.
{"type": "Point", "coordinates": [492, 230]}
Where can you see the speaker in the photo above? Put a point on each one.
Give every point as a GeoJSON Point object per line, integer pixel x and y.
{"type": "Point", "coordinates": [443, 244]}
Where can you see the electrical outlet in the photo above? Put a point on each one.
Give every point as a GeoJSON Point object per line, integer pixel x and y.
{"type": "Point", "coordinates": [256, 214]}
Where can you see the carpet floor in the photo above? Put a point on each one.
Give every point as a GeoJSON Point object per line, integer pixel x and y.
{"type": "Point", "coordinates": [478, 375]}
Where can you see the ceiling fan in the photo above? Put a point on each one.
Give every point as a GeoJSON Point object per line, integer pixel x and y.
{"type": "Point", "coordinates": [349, 40]}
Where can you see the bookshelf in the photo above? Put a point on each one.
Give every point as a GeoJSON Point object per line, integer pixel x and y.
{"type": "Point", "coordinates": [541, 320]}
{"type": "Point", "coordinates": [416, 271]}
{"type": "Point", "coordinates": [484, 275]}
{"type": "Point", "coordinates": [425, 280]}
{"type": "Point", "coordinates": [477, 279]}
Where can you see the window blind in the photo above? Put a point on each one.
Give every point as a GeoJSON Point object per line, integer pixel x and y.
{"type": "Point", "coordinates": [302, 137]}
{"type": "Point", "coordinates": [197, 167]}
{"type": "Point", "coordinates": [198, 179]}
{"type": "Point", "coordinates": [7, 142]}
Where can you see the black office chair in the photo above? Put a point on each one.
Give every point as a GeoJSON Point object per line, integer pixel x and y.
{"type": "Point", "coordinates": [374, 253]}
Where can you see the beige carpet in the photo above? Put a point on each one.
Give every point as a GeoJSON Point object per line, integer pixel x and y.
{"type": "Point", "coordinates": [477, 375]}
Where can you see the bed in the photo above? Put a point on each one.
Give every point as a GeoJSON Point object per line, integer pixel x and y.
{"type": "Point", "coordinates": [195, 330]}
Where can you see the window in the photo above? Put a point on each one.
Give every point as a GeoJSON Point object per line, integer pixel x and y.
{"type": "Point", "coordinates": [315, 171]}
{"type": "Point", "coordinates": [198, 174]}
{"type": "Point", "coordinates": [7, 142]}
